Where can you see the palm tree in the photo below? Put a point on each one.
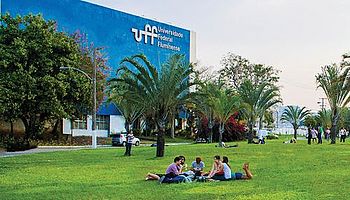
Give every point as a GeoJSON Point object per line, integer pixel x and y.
{"type": "Point", "coordinates": [334, 80]}
{"type": "Point", "coordinates": [130, 109]}
{"type": "Point", "coordinates": [324, 117]}
{"type": "Point", "coordinates": [256, 100]}
{"type": "Point", "coordinates": [160, 91]}
{"type": "Point", "coordinates": [295, 115]}
{"type": "Point", "coordinates": [203, 102]}
{"type": "Point", "coordinates": [224, 103]}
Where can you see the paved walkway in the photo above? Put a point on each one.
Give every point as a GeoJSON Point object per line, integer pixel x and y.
{"type": "Point", "coordinates": [43, 149]}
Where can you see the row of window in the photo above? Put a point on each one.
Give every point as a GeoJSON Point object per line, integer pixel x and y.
{"type": "Point", "coordinates": [102, 122]}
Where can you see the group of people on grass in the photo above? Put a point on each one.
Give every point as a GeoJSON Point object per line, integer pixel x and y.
{"type": "Point", "coordinates": [177, 172]}
{"type": "Point", "coordinates": [315, 134]}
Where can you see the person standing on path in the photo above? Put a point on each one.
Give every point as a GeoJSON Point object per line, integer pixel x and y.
{"type": "Point", "coordinates": [130, 137]}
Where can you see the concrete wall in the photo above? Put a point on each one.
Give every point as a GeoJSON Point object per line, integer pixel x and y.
{"type": "Point", "coordinates": [116, 125]}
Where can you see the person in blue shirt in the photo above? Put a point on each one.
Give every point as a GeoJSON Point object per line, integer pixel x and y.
{"type": "Point", "coordinates": [197, 166]}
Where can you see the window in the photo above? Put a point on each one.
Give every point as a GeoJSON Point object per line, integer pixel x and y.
{"type": "Point", "coordinates": [102, 122]}
{"type": "Point", "coordinates": [80, 123]}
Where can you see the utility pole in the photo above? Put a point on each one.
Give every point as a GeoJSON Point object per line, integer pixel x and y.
{"type": "Point", "coordinates": [94, 109]}
{"type": "Point", "coordinates": [322, 103]}
{"type": "Point", "coordinates": [277, 118]}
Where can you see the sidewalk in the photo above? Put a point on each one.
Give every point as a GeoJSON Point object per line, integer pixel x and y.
{"type": "Point", "coordinates": [43, 149]}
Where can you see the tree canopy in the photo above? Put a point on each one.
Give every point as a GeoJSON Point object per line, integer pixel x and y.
{"type": "Point", "coordinates": [334, 81]}
{"type": "Point", "coordinates": [295, 115]}
{"type": "Point", "coordinates": [32, 87]}
{"type": "Point", "coordinates": [236, 70]}
{"type": "Point", "coordinates": [160, 91]}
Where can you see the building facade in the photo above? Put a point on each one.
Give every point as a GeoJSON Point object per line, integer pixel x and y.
{"type": "Point", "coordinates": [120, 34]}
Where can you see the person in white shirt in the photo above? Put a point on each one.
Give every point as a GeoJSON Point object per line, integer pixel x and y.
{"type": "Point", "coordinates": [228, 175]}
{"type": "Point", "coordinates": [342, 134]}
{"type": "Point", "coordinates": [314, 135]}
{"type": "Point", "coordinates": [130, 137]}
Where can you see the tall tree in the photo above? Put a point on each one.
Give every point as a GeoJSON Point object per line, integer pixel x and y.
{"type": "Point", "coordinates": [161, 91]}
{"type": "Point", "coordinates": [334, 81]}
{"type": "Point", "coordinates": [31, 85]}
{"type": "Point", "coordinates": [236, 70]}
{"type": "Point", "coordinates": [203, 102]}
{"type": "Point", "coordinates": [295, 115]}
{"type": "Point", "coordinates": [256, 100]}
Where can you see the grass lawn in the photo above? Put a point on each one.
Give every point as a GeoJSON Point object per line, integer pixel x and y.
{"type": "Point", "coordinates": [153, 139]}
{"type": "Point", "coordinates": [282, 171]}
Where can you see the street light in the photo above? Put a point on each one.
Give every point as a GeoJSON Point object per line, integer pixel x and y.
{"type": "Point", "coordinates": [93, 80]}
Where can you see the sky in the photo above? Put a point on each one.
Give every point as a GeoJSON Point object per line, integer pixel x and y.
{"type": "Point", "coordinates": [297, 37]}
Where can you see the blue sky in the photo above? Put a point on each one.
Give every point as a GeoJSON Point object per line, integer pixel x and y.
{"type": "Point", "coordinates": [295, 36]}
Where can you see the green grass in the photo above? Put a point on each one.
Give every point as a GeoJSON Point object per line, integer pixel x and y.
{"type": "Point", "coordinates": [282, 171]}
{"type": "Point", "coordinates": [153, 139]}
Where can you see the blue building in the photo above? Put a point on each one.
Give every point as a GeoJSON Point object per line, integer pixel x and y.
{"type": "Point", "coordinates": [121, 34]}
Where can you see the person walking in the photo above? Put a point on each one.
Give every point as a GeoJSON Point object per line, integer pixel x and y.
{"type": "Point", "coordinates": [130, 137]}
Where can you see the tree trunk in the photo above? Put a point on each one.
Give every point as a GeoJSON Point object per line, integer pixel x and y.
{"type": "Point", "coordinates": [26, 128]}
{"type": "Point", "coordinates": [160, 139]}
{"type": "Point", "coordinates": [210, 126]}
{"type": "Point", "coordinates": [11, 131]}
{"type": "Point", "coordinates": [55, 132]}
{"type": "Point", "coordinates": [172, 125]}
{"type": "Point", "coordinates": [260, 123]}
{"type": "Point", "coordinates": [295, 132]}
{"type": "Point", "coordinates": [33, 127]}
{"type": "Point", "coordinates": [250, 133]}
{"type": "Point", "coordinates": [221, 131]}
{"type": "Point", "coordinates": [335, 118]}
{"type": "Point", "coordinates": [128, 126]}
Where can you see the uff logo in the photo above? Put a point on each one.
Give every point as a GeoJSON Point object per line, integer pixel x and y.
{"type": "Point", "coordinates": [148, 32]}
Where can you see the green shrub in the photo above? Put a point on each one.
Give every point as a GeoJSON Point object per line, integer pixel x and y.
{"type": "Point", "coordinates": [75, 141]}
{"type": "Point", "coordinates": [19, 144]}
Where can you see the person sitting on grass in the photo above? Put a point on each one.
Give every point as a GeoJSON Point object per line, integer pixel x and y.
{"type": "Point", "coordinates": [226, 171]}
{"type": "Point", "coordinates": [291, 141]}
{"type": "Point", "coordinates": [228, 175]}
{"type": "Point", "coordinates": [217, 168]}
{"type": "Point", "coordinates": [172, 171]}
{"type": "Point", "coordinates": [197, 166]}
{"type": "Point", "coordinates": [183, 164]}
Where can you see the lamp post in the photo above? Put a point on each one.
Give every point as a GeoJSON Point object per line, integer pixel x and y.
{"type": "Point", "coordinates": [93, 80]}
{"type": "Point", "coordinates": [94, 107]}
